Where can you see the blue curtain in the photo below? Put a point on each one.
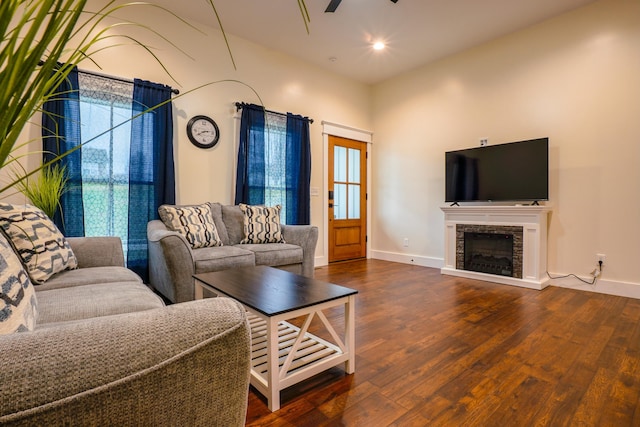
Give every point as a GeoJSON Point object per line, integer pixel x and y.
{"type": "Point", "coordinates": [151, 171]}
{"type": "Point", "coordinates": [251, 170]}
{"type": "Point", "coordinates": [60, 134]}
{"type": "Point", "coordinates": [298, 179]}
{"type": "Point", "coordinates": [250, 180]}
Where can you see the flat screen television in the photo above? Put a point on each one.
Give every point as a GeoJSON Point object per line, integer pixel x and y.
{"type": "Point", "coordinates": [516, 171]}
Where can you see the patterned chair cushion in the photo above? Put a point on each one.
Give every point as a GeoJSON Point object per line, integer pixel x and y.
{"type": "Point", "coordinates": [18, 304]}
{"type": "Point", "coordinates": [43, 249]}
{"type": "Point", "coordinates": [195, 223]}
{"type": "Point", "coordinates": [261, 224]}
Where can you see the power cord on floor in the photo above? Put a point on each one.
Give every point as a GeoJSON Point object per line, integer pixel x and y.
{"type": "Point", "coordinates": [596, 273]}
{"type": "Point", "coordinates": [573, 275]}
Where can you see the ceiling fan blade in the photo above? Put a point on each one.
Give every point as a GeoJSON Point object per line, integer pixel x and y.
{"type": "Point", "coordinates": [332, 6]}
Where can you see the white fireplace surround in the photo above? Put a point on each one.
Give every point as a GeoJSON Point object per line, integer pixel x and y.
{"type": "Point", "coordinates": [532, 219]}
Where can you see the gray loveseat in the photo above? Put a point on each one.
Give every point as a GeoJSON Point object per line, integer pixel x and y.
{"type": "Point", "coordinates": [107, 351]}
{"type": "Point", "coordinates": [173, 262]}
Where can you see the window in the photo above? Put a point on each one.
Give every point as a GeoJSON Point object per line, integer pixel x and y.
{"type": "Point", "coordinates": [274, 162]}
{"type": "Point", "coordinates": [346, 184]}
{"type": "Point", "coordinates": [105, 103]}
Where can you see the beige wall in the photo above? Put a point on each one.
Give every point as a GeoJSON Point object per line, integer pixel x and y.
{"type": "Point", "coordinates": [574, 79]}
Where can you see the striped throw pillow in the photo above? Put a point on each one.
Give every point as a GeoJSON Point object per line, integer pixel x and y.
{"type": "Point", "coordinates": [43, 249]}
{"type": "Point", "coordinates": [261, 224]}
{"type": "Point", "coordinates": [18, 304]}
{"type": "Point", "coordinates": [195, 223]}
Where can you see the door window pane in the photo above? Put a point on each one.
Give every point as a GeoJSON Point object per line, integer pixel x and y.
{"type": "Point", "coordinates": [340, 201]}
{"type": "Point", "coordinates": [340, 164]}
{"type": "Point", "coordinates": [354, 166]}
{"type": "Point", "coordinates": [354, 201]}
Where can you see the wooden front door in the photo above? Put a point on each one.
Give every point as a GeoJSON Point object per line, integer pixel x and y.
{"type": "Point", "coordinates": [347, 199]}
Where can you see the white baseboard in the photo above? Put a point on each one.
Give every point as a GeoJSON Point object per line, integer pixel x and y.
{"type": "Point", "coordinates": [603, 286]}
{"type": "Point", "coordinates": [320, 261]}
{"type": "Point", "coordinates": [422, 261]}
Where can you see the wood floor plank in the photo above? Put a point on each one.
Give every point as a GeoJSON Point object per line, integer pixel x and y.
{"type": "Point", "coordinates": [624, 393]}
{"type": "Point", "coordinates": [441, 350]}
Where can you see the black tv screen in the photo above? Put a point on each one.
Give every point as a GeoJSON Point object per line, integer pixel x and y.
{"type": "Point", "coordinates": [517, 171]}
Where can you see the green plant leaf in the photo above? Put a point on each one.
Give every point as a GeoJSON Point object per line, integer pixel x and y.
{"type": "Point", "coordinates": [45, 190]}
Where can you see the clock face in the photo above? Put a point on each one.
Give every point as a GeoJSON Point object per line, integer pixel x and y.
{"type": "Point", "coordinates": [203, 132]}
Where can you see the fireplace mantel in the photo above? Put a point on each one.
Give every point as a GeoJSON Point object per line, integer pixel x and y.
{"type": "Point", "coordinates": [532, 219]}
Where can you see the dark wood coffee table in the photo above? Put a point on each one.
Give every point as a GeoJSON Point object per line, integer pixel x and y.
{"type": "Point", "coordinates": [272, 297]}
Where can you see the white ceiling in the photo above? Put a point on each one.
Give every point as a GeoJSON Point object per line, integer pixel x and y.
{"type": "Point", "coordinates": [416, 31]}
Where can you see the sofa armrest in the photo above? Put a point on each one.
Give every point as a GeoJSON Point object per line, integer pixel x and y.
{"type": "Point", "coordinates": [171, 263]}
{"type": "Point", "coordinates": [186, 364]}
{"type": "Point", "coordinates": [305, 236]}
{"type": "Point", "coordinates": [100, 251]}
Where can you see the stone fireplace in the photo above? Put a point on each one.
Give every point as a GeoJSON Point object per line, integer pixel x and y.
{"type": "Point", "coordinates": [503, 244]}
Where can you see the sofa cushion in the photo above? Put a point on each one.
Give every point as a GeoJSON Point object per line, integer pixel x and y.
{"type": "Point", "coordinates": [19, 306]}
{"type": "Point", "coordinates": [90, 276]}
{"type": "Point", "coordinates": [195, 223]}
{"type": "Point", "coordinates": [42, 247]}
{"type": "Point", "coordinates": [234, 223]}
{"type": "Point", "coordinates": [275, 254]}
{"type": "Point", "coordinates": [221, 258]}
{"type": "Point", "coordinates": [261, 224]}
{"type": "Point", "coordinates": [216, 212]}
{"type": "Point", "coordinates": [85, 302]}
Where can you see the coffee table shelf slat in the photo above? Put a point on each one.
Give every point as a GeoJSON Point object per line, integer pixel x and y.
{"type": "Point", "coordinates": [312, 349]}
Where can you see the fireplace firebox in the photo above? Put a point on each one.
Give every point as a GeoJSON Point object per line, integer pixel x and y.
{"type": "Point", "coordinates": [490, 253]}
{"type": "Point", "coordinates": [490, 249]}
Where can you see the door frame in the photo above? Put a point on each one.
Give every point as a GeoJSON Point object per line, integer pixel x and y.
{"type": "Point", "coordinates": [335, 129]}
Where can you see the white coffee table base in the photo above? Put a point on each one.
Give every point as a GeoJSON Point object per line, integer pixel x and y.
{"type": "Point", "coordinates": [297, 354]}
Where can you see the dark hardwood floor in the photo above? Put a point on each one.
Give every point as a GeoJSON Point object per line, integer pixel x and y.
{"type": "Point", "coordinates": [444, 351]}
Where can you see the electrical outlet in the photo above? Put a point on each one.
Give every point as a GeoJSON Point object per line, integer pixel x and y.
{"type": "Point", "coordinates": [484, 142]}
{"type": "Point", "coordinates": [406, 242]}
{"type": "Point", "coordinates": [600, 258]}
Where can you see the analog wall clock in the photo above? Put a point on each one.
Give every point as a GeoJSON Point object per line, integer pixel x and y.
{"type": "Point", "coordinates": [203, 132]}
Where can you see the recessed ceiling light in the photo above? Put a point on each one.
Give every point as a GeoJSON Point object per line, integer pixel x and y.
{"type": "Point", "coordinates": [378, 45]}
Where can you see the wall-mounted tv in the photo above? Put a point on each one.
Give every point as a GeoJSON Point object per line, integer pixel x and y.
{"type": "Point", "coordinates": [516, 171]}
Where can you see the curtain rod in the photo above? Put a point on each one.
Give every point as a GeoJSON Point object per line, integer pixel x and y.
{"type": "Point", "coordinates": [239, 105]}
{"type": "Point", "coordinates": [120, 79]}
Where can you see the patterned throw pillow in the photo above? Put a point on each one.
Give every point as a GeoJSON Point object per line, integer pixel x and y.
{"type": "Point", "coordinates": [18, 307]}
{"type": "Point", "coordinates": [42, 247]}
{"type": "Point", "coordinates": [262, 224]}
{"type": "Point", "coordinates": [195, 223]}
